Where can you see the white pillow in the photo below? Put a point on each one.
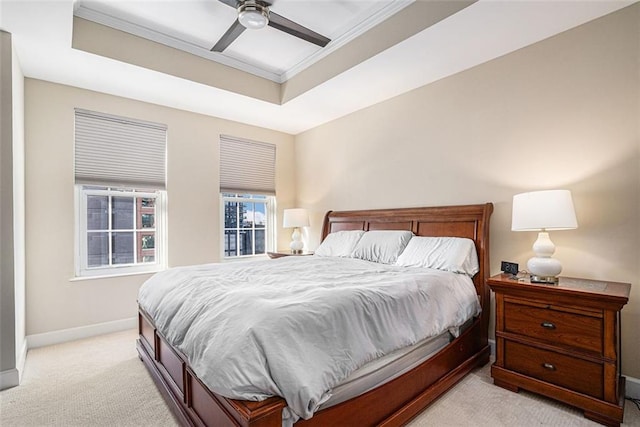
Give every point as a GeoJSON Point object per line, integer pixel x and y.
{"type": "Point", "coordinates": [453, 254]}
{"type": "Point", "coordinates": [340, 243]}
{"type": "Point", "coordinates": [383, 246]}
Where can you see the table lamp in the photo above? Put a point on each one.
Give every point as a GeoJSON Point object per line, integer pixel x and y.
{"type": "Point", "coordinates": [542, 211]}
{"type": "Point", "coordinates": [296, 218]}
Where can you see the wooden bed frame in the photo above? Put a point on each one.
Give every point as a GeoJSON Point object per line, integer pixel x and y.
{"type": "Point", "coordinates": [392, 404]}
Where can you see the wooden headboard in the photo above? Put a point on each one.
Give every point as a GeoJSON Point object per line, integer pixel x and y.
{"type": "Point", "coordinates": [470, 221]}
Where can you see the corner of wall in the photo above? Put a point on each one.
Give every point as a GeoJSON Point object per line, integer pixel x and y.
{"type": "Point", "coordinates": [633, 388]}
{"type": "Point", "coordinates": [9, 378]}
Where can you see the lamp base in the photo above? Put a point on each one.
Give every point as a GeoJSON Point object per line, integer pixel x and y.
{"type": "Point", "coordinates": [548, 280]}
{"type": "Point", "coordinates": [542, 267]}
{"type": "Point", "coordinates": [296, 244]}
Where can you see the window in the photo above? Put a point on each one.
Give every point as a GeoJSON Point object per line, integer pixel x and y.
{"type": "Point", "coordinates": [118, 229]}
{"type": "Point", "coordinates": [120, 197]}
{"type": "Point", "coordinates": [247, 186]}
{"type": "Point", "coordinates": [248, 224]}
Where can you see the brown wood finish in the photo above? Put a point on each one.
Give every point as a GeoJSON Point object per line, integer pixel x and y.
{"type": "Point", "coordinates": [147, 332]}
{"type": "Point", "coordinates": [173, 365]}
{"type": "Point", "coordinates": [391, 404]}
{"type": "Point", "coordinates": [555, 368]}
{"type": "Point", "coordinates": [281, 254]}
{"type": "Point", "coordinates": [562, 341]}
{"type": "Point", "coordinates": [556, 325]}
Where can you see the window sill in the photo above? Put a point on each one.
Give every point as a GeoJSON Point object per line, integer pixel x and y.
{"type": "Point", "coordinates": [114, 275]}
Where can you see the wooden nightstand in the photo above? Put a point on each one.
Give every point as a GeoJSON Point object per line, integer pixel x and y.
{"type": "Point", "coordinates": [280, 254]}
{"type": "Point", "coordinates": [562, 341]}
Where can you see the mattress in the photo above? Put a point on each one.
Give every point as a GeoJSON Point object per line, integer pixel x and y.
{"type": "Point", "coordinates": [386, 368]}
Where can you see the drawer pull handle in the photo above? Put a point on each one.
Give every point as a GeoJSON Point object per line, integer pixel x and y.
{"type": "Point", "coordinates": [548, 325]}
{"type": "Point", "coordinates": [549, 366]}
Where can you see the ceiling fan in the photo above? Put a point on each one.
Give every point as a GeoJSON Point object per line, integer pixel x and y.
{"type": "Point", "coordinates": [255, 14]}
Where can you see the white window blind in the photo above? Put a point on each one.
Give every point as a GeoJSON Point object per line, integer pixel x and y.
{"type": "Point", "coordinates": [117, 151]}
{"type": "Point", "coordinates": [247, 166]}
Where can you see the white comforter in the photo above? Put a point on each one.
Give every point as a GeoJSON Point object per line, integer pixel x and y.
{"type": "Point", "coordinates": [296, 326]}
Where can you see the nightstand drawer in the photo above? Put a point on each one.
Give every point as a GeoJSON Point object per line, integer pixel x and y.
{"type": "Point", "coordinates": [558, 326]}
{"type": "Point", "coordinates": [566, 371]}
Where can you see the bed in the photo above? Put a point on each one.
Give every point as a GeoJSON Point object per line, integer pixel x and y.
{"type": "Point", "coordinates": [394, 402]}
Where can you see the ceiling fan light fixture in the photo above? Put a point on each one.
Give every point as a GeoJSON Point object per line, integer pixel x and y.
{"type": "Point", "coordinates": [253, 15]}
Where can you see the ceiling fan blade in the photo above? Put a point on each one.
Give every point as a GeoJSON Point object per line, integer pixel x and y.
{"type": "Point", "coordinates": [227, 38]}
{"type": "Point", "coordinates": [235, 3]}
{"type": "Point", "coordinates": [283, 24]}
{"type": "Point", "coordinates": [232, 3]}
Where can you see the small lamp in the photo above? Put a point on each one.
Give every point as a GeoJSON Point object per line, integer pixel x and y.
{"type": "Point", "coordinates": [542, 211]}
{"type": "Point", "coordinates": [296, 218]}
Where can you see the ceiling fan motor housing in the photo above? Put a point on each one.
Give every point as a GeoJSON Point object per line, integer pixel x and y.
{"type": "Point", "coordinates": [253, 14]}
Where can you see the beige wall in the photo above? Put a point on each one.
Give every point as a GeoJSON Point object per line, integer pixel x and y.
{"type": "Point", "coordinates": [54, 301]}
{"type": "Point", "coordinates": [563, 113]}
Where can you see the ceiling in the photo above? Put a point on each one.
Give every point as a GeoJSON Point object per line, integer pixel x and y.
{"type": "Point", "coordinates": [195, 25]}
{"type": "Point", "coordinates": [157, 51]}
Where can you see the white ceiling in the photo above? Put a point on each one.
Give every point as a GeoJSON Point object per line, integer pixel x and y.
{"type": "Point", "coordinates": [42, 34]}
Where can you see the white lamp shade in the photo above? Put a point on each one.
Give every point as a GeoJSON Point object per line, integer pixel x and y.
{"type": "Point", "coordinates": [543, 210]}
{"type": "Point", "coordinates": [297, 217]}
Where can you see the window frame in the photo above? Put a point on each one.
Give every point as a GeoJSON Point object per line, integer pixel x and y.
{"type": "Point", "coordinates": [270, 226]}
{"type": "Point", "coordinates": [82, 270]}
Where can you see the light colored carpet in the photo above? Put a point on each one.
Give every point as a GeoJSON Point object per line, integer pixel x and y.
{"type": "Point", "coordinates": [101, 382]}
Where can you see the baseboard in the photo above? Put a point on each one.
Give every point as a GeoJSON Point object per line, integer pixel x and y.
{"type": "Point", "coordinates": [9, 378]}
{"type": "Point", "coordinates": [12, 377]}
{"type": "Point", "coordinates": [72, 334]}
{"type": "Point", "coordinates": [22, 358]}
{"type": "Point", "coordinates": [633, 387]}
